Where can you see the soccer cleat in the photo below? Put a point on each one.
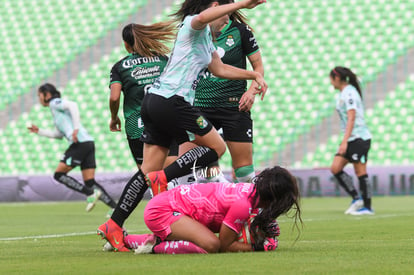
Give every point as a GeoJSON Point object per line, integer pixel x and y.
{"type": "Point", "coordinates": [157, 181]}
{"type": "Point", "coordinates": [108, 247]}
{"type": "Point", "coordinates": [93, 199]}
{"type": "Point", "coordinates": [147, 247]}
{"type": "Point", "coordinates": [362, 211]}
{"type": "Point", "coordinates": [355, 205]}
{"type": "Point", "coordinates": [111, 232]}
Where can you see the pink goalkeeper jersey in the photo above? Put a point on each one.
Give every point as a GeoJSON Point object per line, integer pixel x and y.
{"type": "Point", "coordinates": [212, 204]}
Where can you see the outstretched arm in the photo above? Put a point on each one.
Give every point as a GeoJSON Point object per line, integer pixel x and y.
{"type": "Point", "coordinates": [209, 15]}
{"type": "Point", "coordinates": [219, 69]}
{"type": "Point", "coordinates": [46, 133]}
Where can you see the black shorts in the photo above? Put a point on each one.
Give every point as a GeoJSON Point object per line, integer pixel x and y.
{"type": "Point", "coordinates": [169, 119]}
{"type": "Point", "coordinates": [357, 151]}
{"type": "Point", "coordinates": [237, 126]}
{"type": "Point", "coordinates": [137, 149]}
{"type": "Point", "coordinates": [80, 154]}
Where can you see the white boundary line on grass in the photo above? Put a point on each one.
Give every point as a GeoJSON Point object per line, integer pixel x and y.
{"type": "Point", "coordinates": [384, 216]}
{"type": "Point", "coordinates": [57, 236]}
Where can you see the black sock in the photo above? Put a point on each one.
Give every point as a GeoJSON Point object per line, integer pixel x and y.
{"type": "Point", "coordinates": [366, 190]}
{"type": "Point", "coordinates": [345, 181]}
{"type": "Point", "coordinates": [105, 197]}
{"type": "Point", "coordinates": [133, 192]}
{"type": "Point", "coordinates": [73, 183]}
{"type": "Point", "coordinates": [195, 158]}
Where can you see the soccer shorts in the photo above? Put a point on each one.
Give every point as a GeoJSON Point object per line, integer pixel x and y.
{"type": "Point", "coordinates": [159, 215]}
{"type": "Point", "coordinates": [169, 119]}
{"type": "Point", "coordinates": [357, 150]}
{"type": "Point", "coordinates": [237, 126]}
{"type": "Point", "coordinates": [80, 154]}
{"type": "Point", "coordinates": [137, 149]}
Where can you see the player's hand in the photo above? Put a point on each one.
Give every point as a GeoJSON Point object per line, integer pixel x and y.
{"type": "Point", "coordinates": [269, 244]}
{"type": "Point", "coordinates": [247, 100]}
{"type": "Point", "coordinates": [75, 136]}
{"type": "Point", "coordinates": [342, 148]}
{"type": "Point", "coordinates": [250, 4]}
{"type": "Point", "coordinates": [115, 125]}
{"type": "Point", "coordinates": [33, 129]}
{"type": "Point", "coordinates": [262, 86]}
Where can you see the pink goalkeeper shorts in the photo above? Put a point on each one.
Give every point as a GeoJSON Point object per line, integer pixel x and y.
{"type": "Point", "coordinates": [159, 215]}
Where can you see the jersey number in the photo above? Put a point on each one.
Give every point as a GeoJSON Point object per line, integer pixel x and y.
{"type": "Point", "coordinates": [140, 124]}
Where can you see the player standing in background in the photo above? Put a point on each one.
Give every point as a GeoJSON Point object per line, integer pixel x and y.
{"type": "Point", "coordinates": [355, 143]}
{"type": "Point", "coordinates": [81, 151]}
{"type": "Point", "coordinates": [195, 213]}
{"type": "Point", "coordinates": [134, 75]}
{"type": "Point", "coordinates": [168, 113]}
{"type": "Point", "coordinates": [227, 103]}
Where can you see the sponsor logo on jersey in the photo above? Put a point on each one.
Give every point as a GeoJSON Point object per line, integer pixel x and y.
{"type": "Point", "coordinates": [230, 40]}
{"type": "Point", "coordinates": [201, 122]}
{"type": "Point", "coordinates": [142, 72]}
{"type": "Point", "coordinates": [350, 101]}
{"type": "Point", "coordinates": [129, 63]}
{"type": "Point", "coordinates": [249, 133]}
{"type": "Point", "coordinates": [175, 213]}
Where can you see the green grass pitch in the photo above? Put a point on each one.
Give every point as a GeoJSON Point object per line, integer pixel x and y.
{"type": "Point", "coordinates": [49, 238]}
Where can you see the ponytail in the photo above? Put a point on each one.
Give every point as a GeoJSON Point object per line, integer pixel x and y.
{"type": "Point", "coordinates": [345, 74]}
{"type": "Point", "coordinates": [149, 40]}
{"type": "Point", "coordinates": [51, 89]}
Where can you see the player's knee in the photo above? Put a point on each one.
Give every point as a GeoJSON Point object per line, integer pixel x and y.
{"type": "Point", "coordinates": [220, 150]}
{"type": "Point", "coordinates": [335, 169]}
{"type": "Point", "coordinates": [212, 245]}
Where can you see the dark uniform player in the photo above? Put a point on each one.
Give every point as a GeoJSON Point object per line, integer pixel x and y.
{"type": "Point", "coordinates": [134, 75]}
{"type": "Point", "coordinates": [226, 103]}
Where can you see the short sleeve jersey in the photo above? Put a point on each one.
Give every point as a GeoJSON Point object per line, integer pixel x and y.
{"type": "Point", "coordinates": [136, 74]}
{"type": "Point", "coordinates": [349, 99]}
{"type": "Point", "coordinates": [191, 55]}
{"type": "Point", "coordinates": [234, 44]}
{"type": "Point", "coordinates": [63, 121]}
{"type": "Point", "coordinates": [213, 204]}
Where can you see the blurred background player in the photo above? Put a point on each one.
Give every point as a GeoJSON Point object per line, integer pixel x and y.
{"type": "Point", "coordinates": [187, 218]}
{"type": "Point", "coordinates": [227, 103]}
{"type": "Point", "coordinates": [134, 75]}
{"type": "Point", "coordinates": [168, 113]}
{"type": "Point", "coordinates": [356, 141]}
{"type": "Point", "coordinates": [81, 151]}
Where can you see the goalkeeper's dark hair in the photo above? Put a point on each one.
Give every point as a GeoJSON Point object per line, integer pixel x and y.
{"type": "Point", "coordinates": [51, 89]}
{"type": "Point", "coordinates": [276, 191]}
{"type": "Point", "coordinates": [193, 7]}
{"type": "Point", "coordinates": [345, 74]}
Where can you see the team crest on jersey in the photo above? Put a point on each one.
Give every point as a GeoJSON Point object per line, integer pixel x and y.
{"type": "Point", "coordinates": [230, 40]}
{"type": "Point", "coordinates": [201, 122]}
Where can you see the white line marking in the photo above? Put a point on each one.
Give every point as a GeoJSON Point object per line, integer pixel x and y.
{"type": "Point", "coordinates": [350, 217]}
{"type": "Point", "coordinates": [58, 235]}
{"type": "Point", "coordinates": [284, 220]}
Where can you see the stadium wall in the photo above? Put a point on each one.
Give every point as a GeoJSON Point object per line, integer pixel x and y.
{"type": "Point", "coordinates": [386, 180]}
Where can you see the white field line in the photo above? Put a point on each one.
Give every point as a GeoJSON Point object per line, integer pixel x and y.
{"type": "Point", "coordinates": [57, 236]}
{"type": "Point", "coordinates": [350, 217]}
{"type": "Point", "coordinates": [384, 216]}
